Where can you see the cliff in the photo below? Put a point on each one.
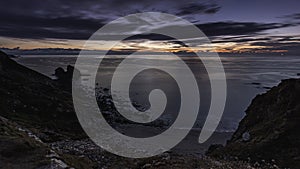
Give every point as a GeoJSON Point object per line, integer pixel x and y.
{"type": "Point", "coordinates": [270, 130]}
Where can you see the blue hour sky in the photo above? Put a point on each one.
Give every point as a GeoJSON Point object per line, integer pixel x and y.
{"type": "Point", "coordinates": [256, 26]}
{"type": "Point", "coordinates": [256, 10]}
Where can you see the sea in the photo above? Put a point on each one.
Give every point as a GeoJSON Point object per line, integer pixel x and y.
{"type": "Point", "coordinates": [246, 77]}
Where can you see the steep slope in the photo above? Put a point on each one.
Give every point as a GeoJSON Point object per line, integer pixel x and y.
{"type": "Point", "coordinates": [270, 130]}
{"type": "Point", "coordinates": [17, 150]}
{"type": "Point", "coordinates": [33, 99]}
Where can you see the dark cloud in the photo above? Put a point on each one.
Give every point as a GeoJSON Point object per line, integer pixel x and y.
{"type": "Point", "coordinates": [276, 44]}
{"type": "Point", "coordinates": [295, 16]}
{"type": "Point", "coordinates": [195, 8]}
{"type": "Point", "coordinates": [151, 36]}
{"type": "Point", "coordinates": [239, 40]}
{"type": "Point", "coordinates": [79, 19]}
{"type": "Point", "coordinates": [17, 26]}
{"type": "Point", "coordinates": [37, 27]}
{"type": "Point", "coordinates": [244, 31]}
{"type": "Point", "coordinates": [281, 44]}
{"type": "Point", "coordinates": [292, 18]}
{"type": "Point", "coordinates": [34, 19]}
{"type": "Point", "coordinates": [238, 28]}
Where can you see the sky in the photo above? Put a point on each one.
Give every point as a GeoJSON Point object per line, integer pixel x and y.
{"type": "Point", "coordinates": [233, 26]}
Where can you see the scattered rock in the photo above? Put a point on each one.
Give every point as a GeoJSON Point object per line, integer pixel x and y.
{"type": "Point", "coordinates": [246, 136]}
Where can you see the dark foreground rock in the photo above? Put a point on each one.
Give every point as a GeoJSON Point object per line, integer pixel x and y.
{"type": "Point", "coordinates": [270, 130]}
{"type": "Point", "coordinates": [17, 150]}
{"type": "Point", "coordinates": [35, 100]}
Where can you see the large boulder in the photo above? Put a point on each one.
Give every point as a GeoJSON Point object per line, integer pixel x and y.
{"type": "Point", "coordinates": [270, 129]}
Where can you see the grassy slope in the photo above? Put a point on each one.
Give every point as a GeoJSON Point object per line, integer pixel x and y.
{"type": "Point", "coordinates": [17, 150]}
{"type": "Point", "coordinates": [34, 99]}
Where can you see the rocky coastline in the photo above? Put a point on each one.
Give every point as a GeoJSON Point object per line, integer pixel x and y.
{"type": "Point", "coordinates": [39, 111]}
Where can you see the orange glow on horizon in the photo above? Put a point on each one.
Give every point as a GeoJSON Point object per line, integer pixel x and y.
{"type": "Point", "coordinates": [146, 46]}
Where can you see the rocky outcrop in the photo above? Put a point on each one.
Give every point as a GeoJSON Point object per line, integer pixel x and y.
{"type": "Point", "coordinates": [65, 77]}
{"type": "Point", "coordinates": [270, 129]}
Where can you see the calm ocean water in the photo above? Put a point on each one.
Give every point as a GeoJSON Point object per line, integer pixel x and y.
{"type": "Point", "coordinates": [247, 76]}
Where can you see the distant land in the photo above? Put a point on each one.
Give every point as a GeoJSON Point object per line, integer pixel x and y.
{"type": "Point", "coordinates": [74, 51]}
